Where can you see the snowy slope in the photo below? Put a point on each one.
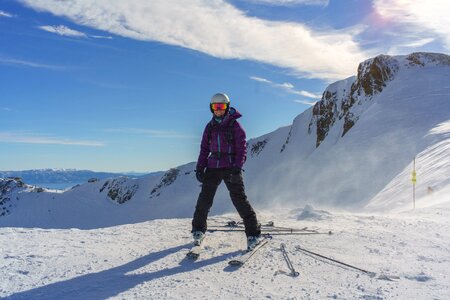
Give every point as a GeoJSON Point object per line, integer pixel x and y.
{"type": "Point", "coordinates": [391, 126]}
{"type": "Point", "coordinates": [352, 151]}
{"type": "Point", "coordinates": [147, 260]}
{"type": "Point", "coordinates": [102, 203]}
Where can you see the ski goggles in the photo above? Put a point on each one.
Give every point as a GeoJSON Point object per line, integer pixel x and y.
{"type": "Point", "coordinates": [219, 106]}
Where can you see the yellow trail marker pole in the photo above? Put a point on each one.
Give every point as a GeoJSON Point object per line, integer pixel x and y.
{"type": "Point", "coordinates": [413, 179]}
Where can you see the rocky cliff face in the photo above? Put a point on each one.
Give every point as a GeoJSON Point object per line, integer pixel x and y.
{"type": "Point", "coordinates": [8, 194]}
{"type": "Point", "coordinates": [168, 178]}
{"type": "Point", "coordinates": [373, 76]}
{"type": "Point", "coordinates": [120, 189]}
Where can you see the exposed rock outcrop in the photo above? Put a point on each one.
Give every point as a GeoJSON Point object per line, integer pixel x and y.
{"type": "Point", "coordinates": [373, 76]}
{"type": "Point", "coordinates": [256, 148]}
{"type": "Point", "coordinates": [8, 194]}
{"type": "Point", "coordinates": [119, 190]}
{"type": "Point", "coordinates": [168, 178]}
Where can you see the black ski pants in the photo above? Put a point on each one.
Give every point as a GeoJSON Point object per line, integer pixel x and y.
{"type": "Point", "coordinates": [235, 185]}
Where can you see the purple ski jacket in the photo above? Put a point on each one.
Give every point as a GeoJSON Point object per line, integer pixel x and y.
{"type": "Point", "coordinates": [216, 151]}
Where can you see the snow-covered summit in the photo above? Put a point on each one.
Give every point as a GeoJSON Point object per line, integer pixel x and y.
{"type": "Point", "coordinates": [348, 99]}
{"type": "Point", "coordinates": [10, 191]}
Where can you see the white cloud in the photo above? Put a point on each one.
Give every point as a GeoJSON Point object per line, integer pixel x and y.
{"type": "Point", "coordinates": [32, 138]}
{"type": "Point", "coordinates": [62, 30]}
{"type": "Point", "coordinates": [20, 62]}
{"type": "Point", "coordinates": [101, 37]}
{"type": "Point", "coordinates": [418, 43]}
{"type": "Point", "coordinates": [5, 14]}
{"type": "Point", "coordinates": [428, 19]}
{"type": "Point", "coordinates": [218, 29]}
{"type": "Point", "coordinates": [260, 79]}
{"type": "Point", "coordinates": [310, 103]}
{"type": "Point", "coordinates": [287, 86]}
{"type": "Point", "coordinates": [290, 2]}
{"type": "Point", "coordinates": [6, 109]}
{"type": "Point", "coordinates": [66, 31]}
{"type": "Point", "coordinates": [307, 94]}
{"type": "Point", "coordinates": [408, 44]}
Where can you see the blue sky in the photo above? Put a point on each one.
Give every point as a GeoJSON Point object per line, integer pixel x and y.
{"type": "Point", "coordinates": [125, 85]}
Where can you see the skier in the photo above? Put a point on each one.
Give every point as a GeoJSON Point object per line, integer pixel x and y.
{"type": "Point", "coordinates": [222, 154]}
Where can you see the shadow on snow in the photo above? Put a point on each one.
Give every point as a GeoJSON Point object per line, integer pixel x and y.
{"type": "Point", "coordinates": [111, 282]}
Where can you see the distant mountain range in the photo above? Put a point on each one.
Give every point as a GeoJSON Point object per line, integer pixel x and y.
{"type": "Point", "coordinates": [63, 178]}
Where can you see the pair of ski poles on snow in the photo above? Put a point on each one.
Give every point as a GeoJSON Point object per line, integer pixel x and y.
{"type": "Point", "coordinates": [294, 273]}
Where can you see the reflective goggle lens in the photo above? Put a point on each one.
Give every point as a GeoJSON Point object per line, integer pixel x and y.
{"type": "Point", "coordinates": [219, 106]}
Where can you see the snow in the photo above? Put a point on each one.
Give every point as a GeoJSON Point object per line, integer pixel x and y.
{"type": "Point", "coordinates": [408, 119]}
{"type": "Point", "coordinates": [125, 238]}
{"type": "Point", "coordinates": [409, 252]}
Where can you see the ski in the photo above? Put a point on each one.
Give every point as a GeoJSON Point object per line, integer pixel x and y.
{"type": "Point", "coordinates": [244, 257]}
{"type": "Point", "coordinates": [272, 232]}
{"type": "Point", "coordinates": [269, 227]}
{"type": "Point", "coordinates": [194, 252]}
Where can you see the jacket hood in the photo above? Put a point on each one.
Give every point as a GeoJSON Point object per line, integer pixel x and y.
{"type": "Point", "coordinates": [232, 114]}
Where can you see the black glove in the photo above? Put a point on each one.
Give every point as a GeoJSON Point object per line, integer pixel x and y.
{"type": "Point", "coordinates": [200, 174]}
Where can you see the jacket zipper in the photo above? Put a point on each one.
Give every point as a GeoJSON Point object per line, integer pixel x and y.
{"type": "Point", "coordinates": [218, 143]}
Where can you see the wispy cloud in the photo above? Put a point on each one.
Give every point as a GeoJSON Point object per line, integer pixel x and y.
{"type": "Point", "coordinates": [290, 2]}
{"type": "Point", "coordinates": [27, 63]}
{"type": "Point", "coordinates": [255, 78]}
{"type": "Point", "coordinates": [310, 103]}
{"type": "Point", "coordinates": [407, 44]}
{"type": "Point", "coordinates": [422, 21]}
{"type": "Point", "coordinates": [33, 138]}
{"type": "Point", "coordinates": [5, 14]}
{"type": "Point", "coordinates": [150, 133]}
{"type": "Point", "coordinates": [418, 43]}
{"type": "Point", "coordinates": [5, 109]}
{"type": "Point", "coordinates": [63, 31]}
{"type": "Point", "coordinates": [288, 87]}
{"type": "Point", "coordinates": [308, 52]}
{"type": "Point", "coordinates": [101, 37]}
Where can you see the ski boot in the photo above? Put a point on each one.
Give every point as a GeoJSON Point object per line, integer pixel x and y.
{"type": "Point", "coordinates": [198, 237]}
{"type": "Point", "coordinates": [252, 242]}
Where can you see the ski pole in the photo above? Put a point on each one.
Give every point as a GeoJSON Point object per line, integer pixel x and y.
{"type": "Point", "coordinates": [371, 274]}
{"type": "Point", "coordinates": [297, 233]}
{"type": "Point", "coordinates": [288, 261]}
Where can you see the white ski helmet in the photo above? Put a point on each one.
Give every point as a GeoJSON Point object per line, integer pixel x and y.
{"type": "Point", "coordinates": [220, 98]}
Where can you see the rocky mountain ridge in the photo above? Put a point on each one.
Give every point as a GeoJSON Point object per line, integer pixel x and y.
{"type": "Point", "coordinates": [372, 77]}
